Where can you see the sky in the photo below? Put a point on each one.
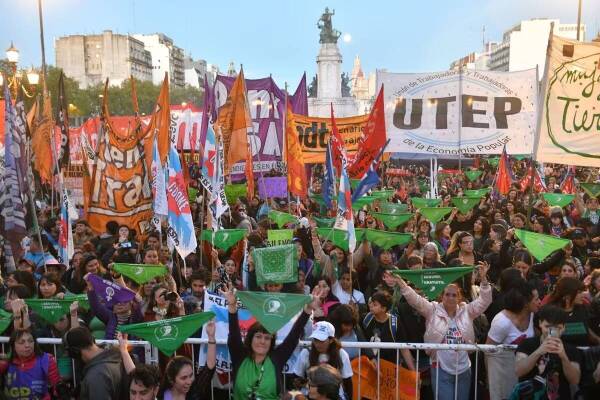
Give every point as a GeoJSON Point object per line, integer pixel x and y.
{"type": "Point", "coordinates": [280, 37]}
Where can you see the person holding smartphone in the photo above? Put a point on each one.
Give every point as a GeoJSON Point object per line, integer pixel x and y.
{"type": "Point", "coordinates": [545, 363]}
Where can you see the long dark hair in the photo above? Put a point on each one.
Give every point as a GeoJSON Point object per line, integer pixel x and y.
{"type": "Point", "coordinates": [333, 351]}
{"type": "Point", "coordinates": [566, 288]}
{"type": "Point", "coordinates": [173, 367]}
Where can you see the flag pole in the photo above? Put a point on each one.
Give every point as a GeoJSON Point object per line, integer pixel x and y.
{"type": "Point", "coordinates": [460, 90]}
{"type": "Point", "coordinates": [285, 149]}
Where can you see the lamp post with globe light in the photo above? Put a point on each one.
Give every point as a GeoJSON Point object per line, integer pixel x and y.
{"type": "Point", "coordinates": [15, 80]}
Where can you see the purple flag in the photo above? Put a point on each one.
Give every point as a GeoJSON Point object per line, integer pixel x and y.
{"type": "Point", "coordinates": [109, 291]}
{"type": "Point", "coordinates": [272, 187]}
{"type": "Point", "coordinates": [299, 100]}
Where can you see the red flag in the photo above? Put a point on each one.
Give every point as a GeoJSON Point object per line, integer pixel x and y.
{"type": "Point", "coordinates": [503, 175]}
{"type": "Point", "coordinates": [371, 141]}
{"type": "Point", "coordinates": [568, 184]}
{"type": "Point", "coordinates": [337, 145]}
{"type": "Point", "coordinates": [538, 183]}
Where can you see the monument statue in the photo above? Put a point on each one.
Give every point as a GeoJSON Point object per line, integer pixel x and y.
{"type": "Point", "coordinates": [328, 34]}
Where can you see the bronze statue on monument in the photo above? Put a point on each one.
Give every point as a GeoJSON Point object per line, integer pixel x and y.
{"type": "Point", "coordinates": [328, 34]}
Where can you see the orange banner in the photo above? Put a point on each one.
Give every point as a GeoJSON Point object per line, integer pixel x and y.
{"type": "Point", "coordinates": [394, 383]}
{"type": "Point", "coordinates": [314, 132]}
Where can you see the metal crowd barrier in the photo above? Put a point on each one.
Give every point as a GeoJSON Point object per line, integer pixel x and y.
{"type": "Point", "coordinates": [151, 356]}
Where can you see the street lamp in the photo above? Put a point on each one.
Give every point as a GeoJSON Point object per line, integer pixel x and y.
{"type": "Point", "coordinates": [33, 77]}
{"type": "Point", "coordinates": [15, 79]}
{"type": "Point", "coordinates": [12, 54]}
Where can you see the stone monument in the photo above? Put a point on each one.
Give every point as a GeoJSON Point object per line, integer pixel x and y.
{"type": "Point", "coordinates": [329, 74]}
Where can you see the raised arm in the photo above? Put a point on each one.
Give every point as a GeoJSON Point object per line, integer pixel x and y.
{"type": "Point", "coordinates": [481, 303]}
{"type": "Point", "coordinates": [127, 360]}
{"type": "Point", "coordinates": [422, 305]}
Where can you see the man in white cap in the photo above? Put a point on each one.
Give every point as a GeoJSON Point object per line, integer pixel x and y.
{"type": "Point", "coordinates": [326, 349]}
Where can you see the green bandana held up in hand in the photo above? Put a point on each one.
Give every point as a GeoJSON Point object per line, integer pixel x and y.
{"type": "Point", "coordinates": [51, 310]}
{"type": "Point", "coordinates": [477, 192]}
{"type": "Point", "coordinates": [435, 214]}
{"type": "Point", "coordinates": [433, 281]}
{"type": "Point", "coordinates": [363, 201]}
{"type": "Point", "coordinates": [168, 334]}
{"type": "Point", "coordinates": [472, 175]}
{"type": "Point", "coordinates": [419, 202]}
{"type": "Point", "coordinates": [140, 273]}
{"type": "Point", "coordinates": [558, 199]}
{"type": "Point", "coordinates": [282, 218]}
{"type": "Point", "coordinates": [593, 189]}
{"type": "Point", "coordinates": [323, 222]}
{"type": "Point", "coordinates": [82, 299]}
{"type": "Point", "coordinates": [273, 310]}
{"type": "Point", "coordinates": [393, 208]}
{"type": "Point", "coordinates": [5, 320]}
{"type": "Point", "coordinates": [276, 264]}
{"type": "Point", "coordinates": [234, 191]}
{"type": "Point", "coordinates": [224, 238]}
{"type": "Point", "coordinates": [465, 204]}
{"type": "Point", "coordinates": [387, 240]}
{"type": "Point", "coordinates": [392, 221]}
{"type": "Point", "coordinates": [540, 245]}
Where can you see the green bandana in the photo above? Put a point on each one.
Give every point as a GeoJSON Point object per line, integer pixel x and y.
{"type": "Point", "coordinates": [51, 310]}
{"type": "Point", "coordinates": [387, 240]}
{"type": "Point", "coordinates": [477, 192]}
{"type": "Point", "coordinates": [5, 320]}
{"type": "Point", "coordinates": [473, 174]}
{"type": "Point", "coordinates": [192, 194]}
{"type": "Point", "coordinates": [392, 221]}
{"type": "Point", "coordinates": [433, 281]}
{"type": "Point", "coordinates": [224, 238]}
{"type": "Point", "coordinates": [393, 208]}
{"type": "Point", "coordinates": [81, 299]}
{"type": "Point", "coordinates": [339, 237]}
{"type": "Point", "coordinates": [273, 310]}
{"type": "Point", "coordinates": [277, 264]}
{"type": "Point", "coordinates": [324, 222]}
{"type": "Point", "coordinates": [520, 157]}
{"type": "Point", "coordinates": [465, 204]}
{"type": "Point", "coordinates": [234, 191]}
{"type": "Point", "coordinates": [493, 161]}
{"type": "Point", "coordinates": [435, 214]}
{"type": "Point", "coordinates": [382, 194]}
{"type": "Point", "coordinates": [318, 198]}
{"type": "Point", "coordinates": [540, 245]}
{"type": "Point", "coordinates": [282, 218]}
{"type": "Point", "coordinates": [593, 189]}
{"type": "Point", "coordinates": [423, 186]}
{"type": "Point", "coordinates": [558, 199]}
{"type": "Point", "coordinates": [363, 201]}
{"type": "Point", "coordinates": [419, 202]}
{"type": "Point", "coordinates": [140, 273]}
{"type": "Point", "coordinates": [168, 334]}
{"type": "Point", "coordinates": [278, 237]}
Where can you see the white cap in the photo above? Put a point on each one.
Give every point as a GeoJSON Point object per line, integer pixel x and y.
{"type": "Point", "coordinates": [322, 331]}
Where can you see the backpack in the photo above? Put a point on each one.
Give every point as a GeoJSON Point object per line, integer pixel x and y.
{"type": "Point", "coordinates": [392, 322]}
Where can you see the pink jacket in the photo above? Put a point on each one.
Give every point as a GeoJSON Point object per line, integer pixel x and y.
{"type": "Point", "coordinates": [437, 318]}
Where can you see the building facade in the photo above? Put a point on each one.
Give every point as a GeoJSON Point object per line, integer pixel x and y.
{"type": "Point", "coordinates": [476, 60]}
{"type": "Point", "coordinates": [362, 87]}
{"type": "Point", "coordinates": [90, 59]}
{"type": "Point", "coordinates": [195, 71]}
{"type": "Point", "coordinates": [166, 57]}
{"type": "Point", "coordinates": [524, 46]}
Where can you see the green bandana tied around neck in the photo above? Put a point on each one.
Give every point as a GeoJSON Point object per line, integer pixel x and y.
{"type": "Point", "coordinates": [168, 334]}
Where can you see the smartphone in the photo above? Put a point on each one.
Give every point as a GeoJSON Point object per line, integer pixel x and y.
{"type": "Point", "coordinates": [553, 332]}
{"type": "Point", "coordinates": [126, 245]}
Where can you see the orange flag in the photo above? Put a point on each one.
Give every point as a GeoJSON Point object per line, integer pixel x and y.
{"type": "Point", "coordinates": [234, 121]}
{"type": "Point", "coordinates": [297, 182]}
{"type": "Point", "coordinates": [41, 147]}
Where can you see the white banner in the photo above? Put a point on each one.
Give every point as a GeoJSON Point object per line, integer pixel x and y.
{"type": "Point", "coordinates": [570, 120]}
{"type": "Point", "coordinates": [218, 305]}
{"type": "Point", "coordinates": [448, 113]}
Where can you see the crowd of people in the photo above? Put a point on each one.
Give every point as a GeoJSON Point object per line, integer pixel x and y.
{"type": "Point", "coordinates": [549, 308]}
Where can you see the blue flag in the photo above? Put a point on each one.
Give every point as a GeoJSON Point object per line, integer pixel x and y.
{"type": "Point", "coordinates": [371, 177]}
{"type": "Point", "coordinates": [328, 187]}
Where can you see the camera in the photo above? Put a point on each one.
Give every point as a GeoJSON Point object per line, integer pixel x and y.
{"type": "Point", "coordinates": [170, 296]}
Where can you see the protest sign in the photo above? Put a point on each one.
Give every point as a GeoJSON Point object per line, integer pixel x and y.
{"type": "Point", "coordinates": [269, 187]}
{"type": "Point", "coordinates": [278, 237]}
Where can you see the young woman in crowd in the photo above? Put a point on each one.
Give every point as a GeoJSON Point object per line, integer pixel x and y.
{"type": "Point", "coordinates": [257, 364]}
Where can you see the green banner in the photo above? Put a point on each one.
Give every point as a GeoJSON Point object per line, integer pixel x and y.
{"type": "Point", "coordinates": [432, 281]}
{"type": "Point", "coordinates": [282, 218]}
{"type": "Point", "coordinates": [477, 192]}
{"type": "Point", "coordinates": [392, 221]}
{"type": "Point", "coordinates": [540, 245]}
{"type": "Point", "coordinates": [51, 310]}
{"type": "Point", "coordinates": [140, 273]}
{"type": "Point", "coordinates": [558, 199]}
{"type": "Point", "coordinates": [234, 191]}
{"type": "Point", "coordinates": [276, 264]}
{"type": "Point", "coordinates": [168, 334]}
{"type": "Point", "coordinates": [273, 310]}
{"type": "Point", "coordinates": [593, 189]}
{"type": "Point", "coordinates": [224, 238]}
{"type": "Point", "coordinates": [435, 214]}
{"type": "Point", "coordinates": [393, 208]}
{"type": "Point", "coordinates": [465, 204]}
{"type": "Point", "coordinates": [387, 240]}
{"type": "Point", "coordinates": [192, 194]}
{"type": "Point", "coordinates": [323, 222]}
{"type": "Point", "coordinates": [419, 202]}
{"type": "Point", "coordinates": [473, 174]}
{"type": "Point", "coordinates": [5, 320]}
{"type": "Point", "coordinates": [278, 237]}
{"type": "Point", "coordinates": [363, 201]}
